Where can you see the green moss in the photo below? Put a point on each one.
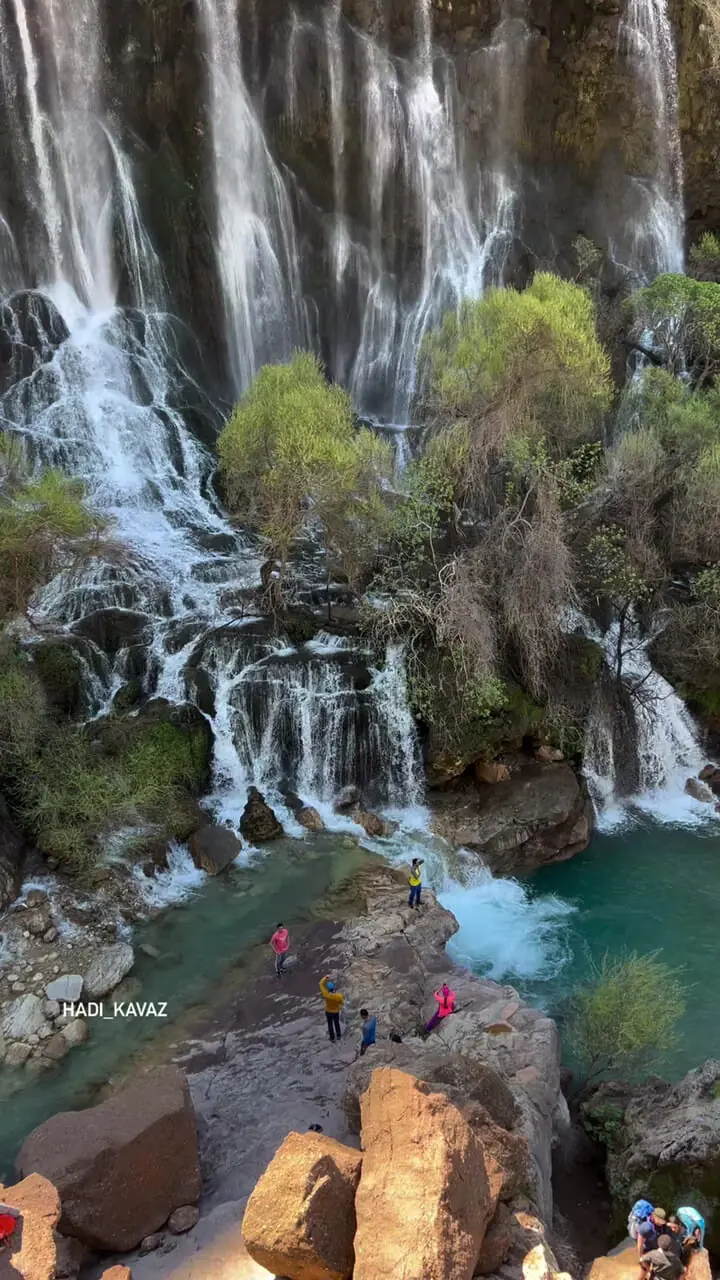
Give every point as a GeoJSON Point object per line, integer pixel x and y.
{"type": "Point", "coordinates": [61, 674]}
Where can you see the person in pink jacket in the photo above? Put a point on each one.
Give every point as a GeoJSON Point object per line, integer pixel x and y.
{"type": "Point", "coordinates": [280, 943]}
{"type": "Point", "coordinates": [446, 1005]}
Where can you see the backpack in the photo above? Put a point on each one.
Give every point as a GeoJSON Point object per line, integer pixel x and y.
{"type": "Point", "coordinates": [639, 1213]}
{"type": "Point", "coordinates": [692, 1220]}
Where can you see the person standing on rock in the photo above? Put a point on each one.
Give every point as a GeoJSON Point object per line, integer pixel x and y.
{"type": "Point", "coordinates": [280, 944]}
{"type": "Point", "coordinates": [369, 1031]}
{"type": "Point", "coordinates": [415, 881]}
{"type": "Point", "coordinates": [334, 1002]}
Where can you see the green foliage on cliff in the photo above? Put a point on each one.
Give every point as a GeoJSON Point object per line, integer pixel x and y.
{"type": "Point", "coordinates": [705, 255]}
{"type": "Point", "coordinates": [71, 789]}
{"type": "Point", "coordinates": [683, 316]}
{"type": "Point", "coordinates": [44, 522]}
{"type": "Point", "coordinates": [525, 362]}
{"type": "Point", "coordinates": [615, 1022]}
{"type": "Point", "coordinates": [291, 456]}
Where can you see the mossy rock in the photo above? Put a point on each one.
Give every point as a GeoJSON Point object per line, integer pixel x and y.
{"type": "Point", "coordinates": [60, 671]}
{"type": "Point", "coordinates": [128, 696]}
{"type": "Point", "coordinates": [458, 742]}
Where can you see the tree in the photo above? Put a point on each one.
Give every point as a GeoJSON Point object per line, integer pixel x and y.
{"type": "Point", "coordinates": [614, 1022]}
{"type": "Point", "coordinates": [525, 362]}
{"type": "Point", "coordinates": [682, 317]}
{"type": "Point", "coordinates": [45, 522]}
{"type": "Point", "coordinates": [705, 254]}
{"type": "Point", "coordinates": [292, 457]}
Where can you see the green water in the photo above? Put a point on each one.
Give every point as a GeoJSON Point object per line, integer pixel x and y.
{"type": "Point", "coordinates": [648, 888]}
{"type": "Point", "coordinates": [200, 942]}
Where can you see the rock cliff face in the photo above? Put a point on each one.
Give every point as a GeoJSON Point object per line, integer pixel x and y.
{"type": "Point", "coordinates": [667, 1143]}
{"type": "Point", "coordinates": [569, 129]}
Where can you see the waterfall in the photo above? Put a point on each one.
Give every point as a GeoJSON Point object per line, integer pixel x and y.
{"type": "Point", "coordinates": [646, 39]}
{"type": "Point", "coordinates": [667, 751]}
{"type": "Point", "coordinates": [256, 249]}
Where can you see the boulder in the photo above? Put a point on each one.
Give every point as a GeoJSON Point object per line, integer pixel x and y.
{"type": "Point", "coordinates": [107, 969]}
{"type": "Point", "coordinates": [65, 990]}
{"type": "Point", "coordinates": [183, 1219]}
{"type": "Point", "coordinates": [541, 815]}
{"type": "Point", "coordinates": [125, 1165]}
{"type": "Point", "coordinates": [699, 791]}
{"type": "Point", "coordinates": [698, 1267]}
{"type": "Point", "coordinates": [423, 1183]}
{"type": "Point", "coordinates": [56, 1047]}
{"type": "Point", "coordinates": [496, 1245]}
{"type": "Point", "coordinates": [545, 754]}
{"type": "Point", "coordinates": [213, 848]}
{"type": "Point", "coordinates": [621, 1264]}
{"type": "Point", "coordinates": [491, 771]}
{"type": "Point", "coordinates": [17, 1054]}
{"type": "Point", "coordinates": [668, 1146]}
{"type": "Point", "coordinates": [372, 824]}
{"type": "Point", "coordinates": [711, 775]}
{"type": "Point", "coordinates": [32, 1252]}
{"type": "Point", "coordinates": [300, 1219]}
{"type": "Point", "coordinates": [348, 799]}
{"type": "Point", "coordinates": [540, 1264]}
{"type": "Point", "coordinates": [117, 1273]}
{"type": "Point", "coordinates": [76, 1032]}
{"type": "Point", "coordinates": [309, 818]}
{"type": "Point", "coordinates": [113, 629]}
{"type": "Point", "coordinates": [25, 1017]}
{"type": "Point", "coordinates": [258, 822]}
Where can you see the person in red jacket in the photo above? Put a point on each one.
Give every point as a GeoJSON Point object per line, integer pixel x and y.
{"type": "Point", "coordinates": [446, 1005]}
{"type": "Point", "coordinates": [8, 1223]}
{"type": "Point", "coordinates": [280, 943]}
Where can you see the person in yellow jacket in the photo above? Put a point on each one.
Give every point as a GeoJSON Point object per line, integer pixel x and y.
{"type": "Point", "coordinates": [415, 881]}
{"type": "Point", "coordinates": [334, 1002]}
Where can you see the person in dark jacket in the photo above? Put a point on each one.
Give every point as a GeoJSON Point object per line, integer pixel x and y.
{"type": "Point", "coordinates": [661, 1263]}
{"type": "Point", "coordinates": [369, 1031]}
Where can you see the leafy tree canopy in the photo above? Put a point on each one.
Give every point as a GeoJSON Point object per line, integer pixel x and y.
{"type": "Point", "coordinates": [615, 1022]}
{"type": "Point", "coordinates": [291, 454]}
{"type": "Point", "coordinates": [530, 360]}
{"type": "Point", "coordinates": [679, 317]}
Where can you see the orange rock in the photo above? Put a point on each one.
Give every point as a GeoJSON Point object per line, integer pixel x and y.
{"type": "Point", "coordinates": [117, 1273]}
{"type": "Point", "coordinates": [506, 1153]}
{"type": "Point", "coordinates": [548, 755]}
{"type": "Point", "coordinates": [491, 771]}
{"type": "Point", "coordinates": [540, 1264]}
{"type": "Point", "coordinates": [300, 1219]}
{"type": "Point", "coordinates": [32, 1253]}
{"type": "Point", "coordinates": [423, 1202]}
{"type": "Point", "coordinates": [698, 1267]}
{"type": "Point", "coordinates": [616, 1266]}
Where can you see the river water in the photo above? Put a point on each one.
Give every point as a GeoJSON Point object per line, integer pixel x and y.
{"type": "Point", "coordinates": [647, 886]}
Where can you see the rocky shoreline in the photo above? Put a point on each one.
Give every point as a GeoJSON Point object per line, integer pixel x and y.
{"type": "Point", "coordinates": [262, 1066]}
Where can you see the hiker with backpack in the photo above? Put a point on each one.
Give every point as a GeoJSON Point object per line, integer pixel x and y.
{"type": "Point", "coordinates": [693, 1225]}
{"type": "Point", "coordinates": [649, 1230]}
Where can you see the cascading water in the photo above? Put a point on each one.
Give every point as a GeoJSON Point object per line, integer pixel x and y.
{"type": "Point", "coordinates": [460, 211]}
{"type": "Point", "coordinates": [256, 249]}
{"type": "Point", "coordinates": [666, 746]}
{"type": "Point", "coordinates": [646, 39]}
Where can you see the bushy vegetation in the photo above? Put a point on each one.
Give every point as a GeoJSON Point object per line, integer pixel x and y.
{"type": "Point", "coordinates": [615, 1023]}
{"type": "Point", "coordinates": [73, 787]}
{"type": "Point", "coordinates": [44, 523]}
{"type": "Point", "coordinates": [291, 456]}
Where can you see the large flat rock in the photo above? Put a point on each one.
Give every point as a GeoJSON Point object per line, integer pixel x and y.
{"type": "Point", "coordinates": [121, 1168]}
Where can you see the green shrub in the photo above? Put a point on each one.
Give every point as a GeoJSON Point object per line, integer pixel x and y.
{"type": "Point", "coordinates": [291, 456]}
{"type": "Point", "coordinates": [705, 254]}
{"type": "Point", "coordinates": [42, 522]}
{"type": "Point", "coordinates": [683, 316]}
{"type": "Point", "coordinates": [522, 362]}
{"type": "Point", "coordinates": [615, 1022]}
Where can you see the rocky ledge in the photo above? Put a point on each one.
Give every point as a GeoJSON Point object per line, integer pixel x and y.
{"type": "Point", "coordinates": [517, 816]}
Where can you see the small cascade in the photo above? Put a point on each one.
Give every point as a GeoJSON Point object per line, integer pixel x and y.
{"type": "Point", "coordinates": [308, 721]}
{"type": "Point", "coordinates": [646, 39]}
{"type": "Point", "coordinates": [256, 249]}
{"type": "Point", "coordinates": [666, 748]}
